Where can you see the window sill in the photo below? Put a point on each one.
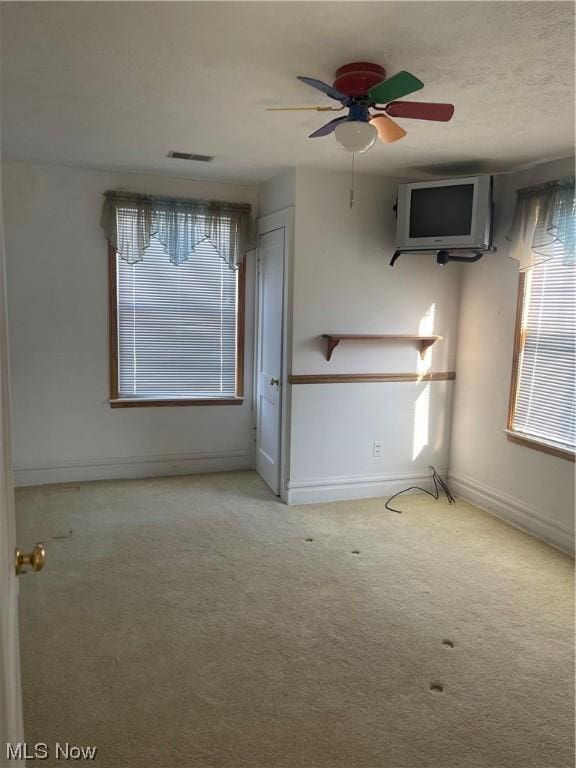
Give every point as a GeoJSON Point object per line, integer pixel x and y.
{"type": "Point", "coordinates": [133, 402]}
{"type": "Point", "coordinates": [540, 445]}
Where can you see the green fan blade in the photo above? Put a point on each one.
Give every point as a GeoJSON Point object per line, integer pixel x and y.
{"type": "Point", "coordinates": [395, 87]}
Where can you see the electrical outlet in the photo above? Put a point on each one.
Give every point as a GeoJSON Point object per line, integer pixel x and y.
{"type": "Point", "coordinates": [378, 448]}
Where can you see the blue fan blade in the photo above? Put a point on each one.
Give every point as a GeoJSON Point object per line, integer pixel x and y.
{"type": "Point", "coordinates": [328, 128]}
{"type": "Point", "coordinates": [325, 88]}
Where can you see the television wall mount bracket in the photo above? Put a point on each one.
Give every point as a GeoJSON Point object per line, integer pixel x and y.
{"type": "Point", "coordinates": [443, 255]}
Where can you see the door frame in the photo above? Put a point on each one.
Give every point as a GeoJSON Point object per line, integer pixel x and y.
{"type": "Point", "coordinates": [282, 219]}
{"type": "Point", "coordinates": [11, 721]}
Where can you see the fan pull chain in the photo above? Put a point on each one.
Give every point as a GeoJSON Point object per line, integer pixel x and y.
{"type": "Point", "coordinates": [352, 183]}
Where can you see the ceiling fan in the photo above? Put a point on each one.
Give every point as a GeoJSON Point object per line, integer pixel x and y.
{"type": "Point", "coordinates": [361, 87]}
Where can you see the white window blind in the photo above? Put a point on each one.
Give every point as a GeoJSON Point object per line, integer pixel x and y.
{"type": "Point", "coordinates": [544, 406]}
{"type": "Point", "coordinates": [176, 326]}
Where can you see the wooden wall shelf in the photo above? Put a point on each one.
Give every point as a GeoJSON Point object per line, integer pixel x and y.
{"type": "Point", "coordinates": [333, 339]}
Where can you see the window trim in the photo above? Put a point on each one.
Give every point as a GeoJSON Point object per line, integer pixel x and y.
{"type": "Point", "coordinates": [116, 401]}
{"type": "Point", "coordinates": [513, 435]}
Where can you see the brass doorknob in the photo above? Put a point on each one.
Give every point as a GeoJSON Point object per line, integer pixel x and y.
{"type": "Point", "coordinates": [34, 559]}
{"type": "Point", "coordinates": [274, 382]}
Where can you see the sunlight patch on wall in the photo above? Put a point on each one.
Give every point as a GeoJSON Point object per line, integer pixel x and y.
{"type": "Point", "coordinates": [421, 422]}
{"type": "Point", "coordinates": [426, 328]}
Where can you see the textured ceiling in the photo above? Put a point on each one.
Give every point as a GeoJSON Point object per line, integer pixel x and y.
{"type": "Point", "coordinates": [119, 84]}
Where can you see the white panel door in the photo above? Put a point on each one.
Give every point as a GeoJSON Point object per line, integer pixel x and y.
{"type": "Point", "coordinates": [11, 730]}
{"type": "Point", "coordinates": [269, 356]}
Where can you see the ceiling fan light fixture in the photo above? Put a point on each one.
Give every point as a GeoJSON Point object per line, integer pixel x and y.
{"type": "Point", "coordinates": [356, 135]}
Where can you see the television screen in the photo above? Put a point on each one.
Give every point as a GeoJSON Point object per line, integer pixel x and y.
{"type": "Point", "coordinates": [441, 211]}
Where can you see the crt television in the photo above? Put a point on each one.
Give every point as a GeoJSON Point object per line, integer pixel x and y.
{"type": "Point", "coordinates": [449, 214]}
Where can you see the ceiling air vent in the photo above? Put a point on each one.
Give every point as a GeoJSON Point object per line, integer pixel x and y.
{"type": "Point", "coordinates": [191, 156]}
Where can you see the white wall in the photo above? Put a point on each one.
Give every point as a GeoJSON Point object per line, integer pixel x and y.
{"type": "Point", "coordinates": [277, 193]}
{"type": "Point", "coordinates": [343, 283]}
{"type": "Point", "coordinates": [529, 488]}
{"type": "Point", "coordinates": [64, 428]}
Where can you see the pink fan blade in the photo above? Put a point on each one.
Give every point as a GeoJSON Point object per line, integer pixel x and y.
{"type": "Point", "coordinates": [388, 130]}
{"type": "Point", "coordinates": [420, 110]}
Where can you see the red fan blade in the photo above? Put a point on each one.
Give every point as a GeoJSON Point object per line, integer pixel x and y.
{"type": "Point", "coordinates": [420, 110]}
{"type": "Point", "coordinates": [388, 130]}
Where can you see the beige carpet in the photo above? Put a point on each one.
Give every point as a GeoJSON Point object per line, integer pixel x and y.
{"type": "Point", "coordinates": [198, 622]}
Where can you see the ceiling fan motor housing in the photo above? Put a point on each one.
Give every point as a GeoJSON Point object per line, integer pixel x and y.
{"type": "Point", "coordinates": [357, 78]}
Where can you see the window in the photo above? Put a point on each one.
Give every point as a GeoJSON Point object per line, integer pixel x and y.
{"type": "Point", "coordinates": [176, 331]}
{"type": "Point", "coordinates": [543, 394]}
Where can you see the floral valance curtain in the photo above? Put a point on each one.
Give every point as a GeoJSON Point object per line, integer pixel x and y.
{"type": "Point", "coordinates": [544, 224]}
{"type": "Point", "coordinates": [129, 221]}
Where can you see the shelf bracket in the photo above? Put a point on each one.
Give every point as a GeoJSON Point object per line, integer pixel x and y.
{"type": "Point", "coordinates": [424, 346]}
{"type": "Point", "coordinates": [443, 256]}
{"type": "Point", "coordinates": [331, 344]}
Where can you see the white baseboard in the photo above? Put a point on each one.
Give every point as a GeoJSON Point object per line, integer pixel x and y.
{"type": "Point", "coordinates": [126, 467]}
{"type": "Point", "coordinates": [353, 487]}
{"type": "Point", "coordinates": [512, 511]}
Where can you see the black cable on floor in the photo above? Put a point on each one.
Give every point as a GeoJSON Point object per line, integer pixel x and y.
{"type": "Point", "coordinates": [439, 485]}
